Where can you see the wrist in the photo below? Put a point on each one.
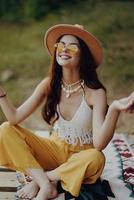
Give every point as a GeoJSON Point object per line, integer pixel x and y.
{"type": "Point", "coordinates": [114, 108]}
{"type": "Point", "coordinates": [3, 95]}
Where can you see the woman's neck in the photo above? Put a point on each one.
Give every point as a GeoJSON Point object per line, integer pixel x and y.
{"type": "Point", "coordinates": [69, 76]}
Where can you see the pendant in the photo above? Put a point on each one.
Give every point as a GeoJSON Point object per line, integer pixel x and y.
{"type": "Point", "coordinates": [68, 95]}
{"type": "Point", "coordinates": [69, 90]}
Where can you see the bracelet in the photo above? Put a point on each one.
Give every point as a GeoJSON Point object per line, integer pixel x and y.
{"type": "Point", "coordinates": [3, 95]}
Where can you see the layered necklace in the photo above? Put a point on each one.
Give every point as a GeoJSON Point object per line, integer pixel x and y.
{"type": "Point", "coordinates": [71, 88]}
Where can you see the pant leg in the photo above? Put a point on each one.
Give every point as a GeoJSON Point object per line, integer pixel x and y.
{"type": "Point", "coordinates": [21, 149]}
{"type": "Point", "coordinates": [85, 166]}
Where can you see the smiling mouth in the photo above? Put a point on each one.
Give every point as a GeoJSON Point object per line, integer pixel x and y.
{"type": "Point", "coordinates": [64, 57]}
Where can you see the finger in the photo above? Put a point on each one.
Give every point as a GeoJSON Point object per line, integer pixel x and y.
{"type": "Point", "coordinates": [131, 102]}
{"type": "Point", "coordinates": [132, 94]}
{"type": "Point", "coordinates": [130, 110]}
{"type": "Point", "coordinates": [22, 195]}
{"type": "Point", "coordinates": [125, 100]}
{"type": "Point", "coordinates": [127, 107]}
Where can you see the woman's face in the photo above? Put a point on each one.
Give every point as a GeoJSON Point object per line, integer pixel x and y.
{"type": "Point", "coordinates": [68, 51]}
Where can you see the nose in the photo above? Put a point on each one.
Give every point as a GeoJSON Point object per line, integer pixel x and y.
{"type": "Point", "coordinates": [65, 48]}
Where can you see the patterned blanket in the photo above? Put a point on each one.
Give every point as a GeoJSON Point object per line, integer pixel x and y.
{"type": "Point", "coordinates": [119, 168]}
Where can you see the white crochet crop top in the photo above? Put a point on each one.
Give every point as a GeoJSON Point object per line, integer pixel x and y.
{"type": "Point", "coordinates": [78, 129]}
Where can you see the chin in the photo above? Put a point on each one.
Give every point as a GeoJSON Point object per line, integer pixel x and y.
{"type": "Point", "coordinates": [64, 63]}
{"type": "Point", "coordinates": [67, 63]}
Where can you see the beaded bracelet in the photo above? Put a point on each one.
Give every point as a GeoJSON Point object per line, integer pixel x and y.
{"type": "Point", "coordinates": [3, 95]}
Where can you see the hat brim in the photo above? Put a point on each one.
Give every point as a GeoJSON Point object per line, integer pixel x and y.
{"type": "Point", "coordinates": [91, 41]}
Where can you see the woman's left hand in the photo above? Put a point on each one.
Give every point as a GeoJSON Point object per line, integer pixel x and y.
{"type": "Point", "coordinates": [125, 104]}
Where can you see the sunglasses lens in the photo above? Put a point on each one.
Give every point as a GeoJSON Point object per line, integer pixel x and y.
{"type": "Point", "coordinates": [71, 48]}
{"type": "Point", "coordinates": [60, 47]}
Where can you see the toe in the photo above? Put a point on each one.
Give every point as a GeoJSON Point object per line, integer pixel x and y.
{"type": "Point", "coordinates": [19, 192]}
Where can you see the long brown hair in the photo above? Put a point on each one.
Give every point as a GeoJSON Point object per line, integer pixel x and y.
{"type": "Point", "coordinates": [87, 73]}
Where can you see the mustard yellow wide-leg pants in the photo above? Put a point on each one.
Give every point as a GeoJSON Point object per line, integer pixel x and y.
{"type": "Point", "coordinates": [21, 149]}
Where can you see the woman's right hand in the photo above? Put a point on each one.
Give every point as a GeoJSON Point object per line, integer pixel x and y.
{"type": "Point", "coordinates": [16, 115]}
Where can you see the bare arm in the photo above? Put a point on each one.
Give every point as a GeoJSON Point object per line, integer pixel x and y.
{"type": "Point", "coordinates": [104, 126]}
{"type": "Point", "coordinates": [17, 115]}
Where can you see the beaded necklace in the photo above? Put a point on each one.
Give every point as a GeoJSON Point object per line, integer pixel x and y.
{"type": "Point", "coordinates": [70, 88]}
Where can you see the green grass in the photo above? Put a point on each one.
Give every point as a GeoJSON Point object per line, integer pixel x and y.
{"type": "Point", "coordinates": [22, 50]}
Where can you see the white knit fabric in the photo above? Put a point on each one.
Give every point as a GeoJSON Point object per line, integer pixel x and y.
{"type": "Point", "coordinates": [78, 129]}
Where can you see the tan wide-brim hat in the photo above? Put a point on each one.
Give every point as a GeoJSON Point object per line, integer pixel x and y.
{"type": "Point", "coordinates": [77, 30]}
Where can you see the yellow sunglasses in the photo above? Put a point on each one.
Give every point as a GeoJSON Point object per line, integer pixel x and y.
{"type": "Point", "coordinates": [70, 48]}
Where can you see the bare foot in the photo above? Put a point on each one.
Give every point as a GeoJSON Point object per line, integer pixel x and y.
{"type": "Point", "coordinates": [46, 192]}
{"type": "Point", "coordinates": [29, 191]}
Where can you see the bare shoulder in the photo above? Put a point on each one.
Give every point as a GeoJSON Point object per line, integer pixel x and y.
{"type": "Point", "coordinates": [96, 95]}
{"type": "Point", "coordinates": [43, 86]}
{"type": "Point", "coordinates": [99, 97]}
{"type": "Point", "coordinates": [99, 93]}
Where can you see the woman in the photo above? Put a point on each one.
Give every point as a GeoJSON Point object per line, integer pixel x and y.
{"type": "Point", "coordinates": [76, 107]}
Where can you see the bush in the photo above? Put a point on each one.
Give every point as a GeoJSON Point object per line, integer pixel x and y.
{"type": "Point", "coordinates": [19, 10]}
{"type": "Point", "coordinates": [10, 10]}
